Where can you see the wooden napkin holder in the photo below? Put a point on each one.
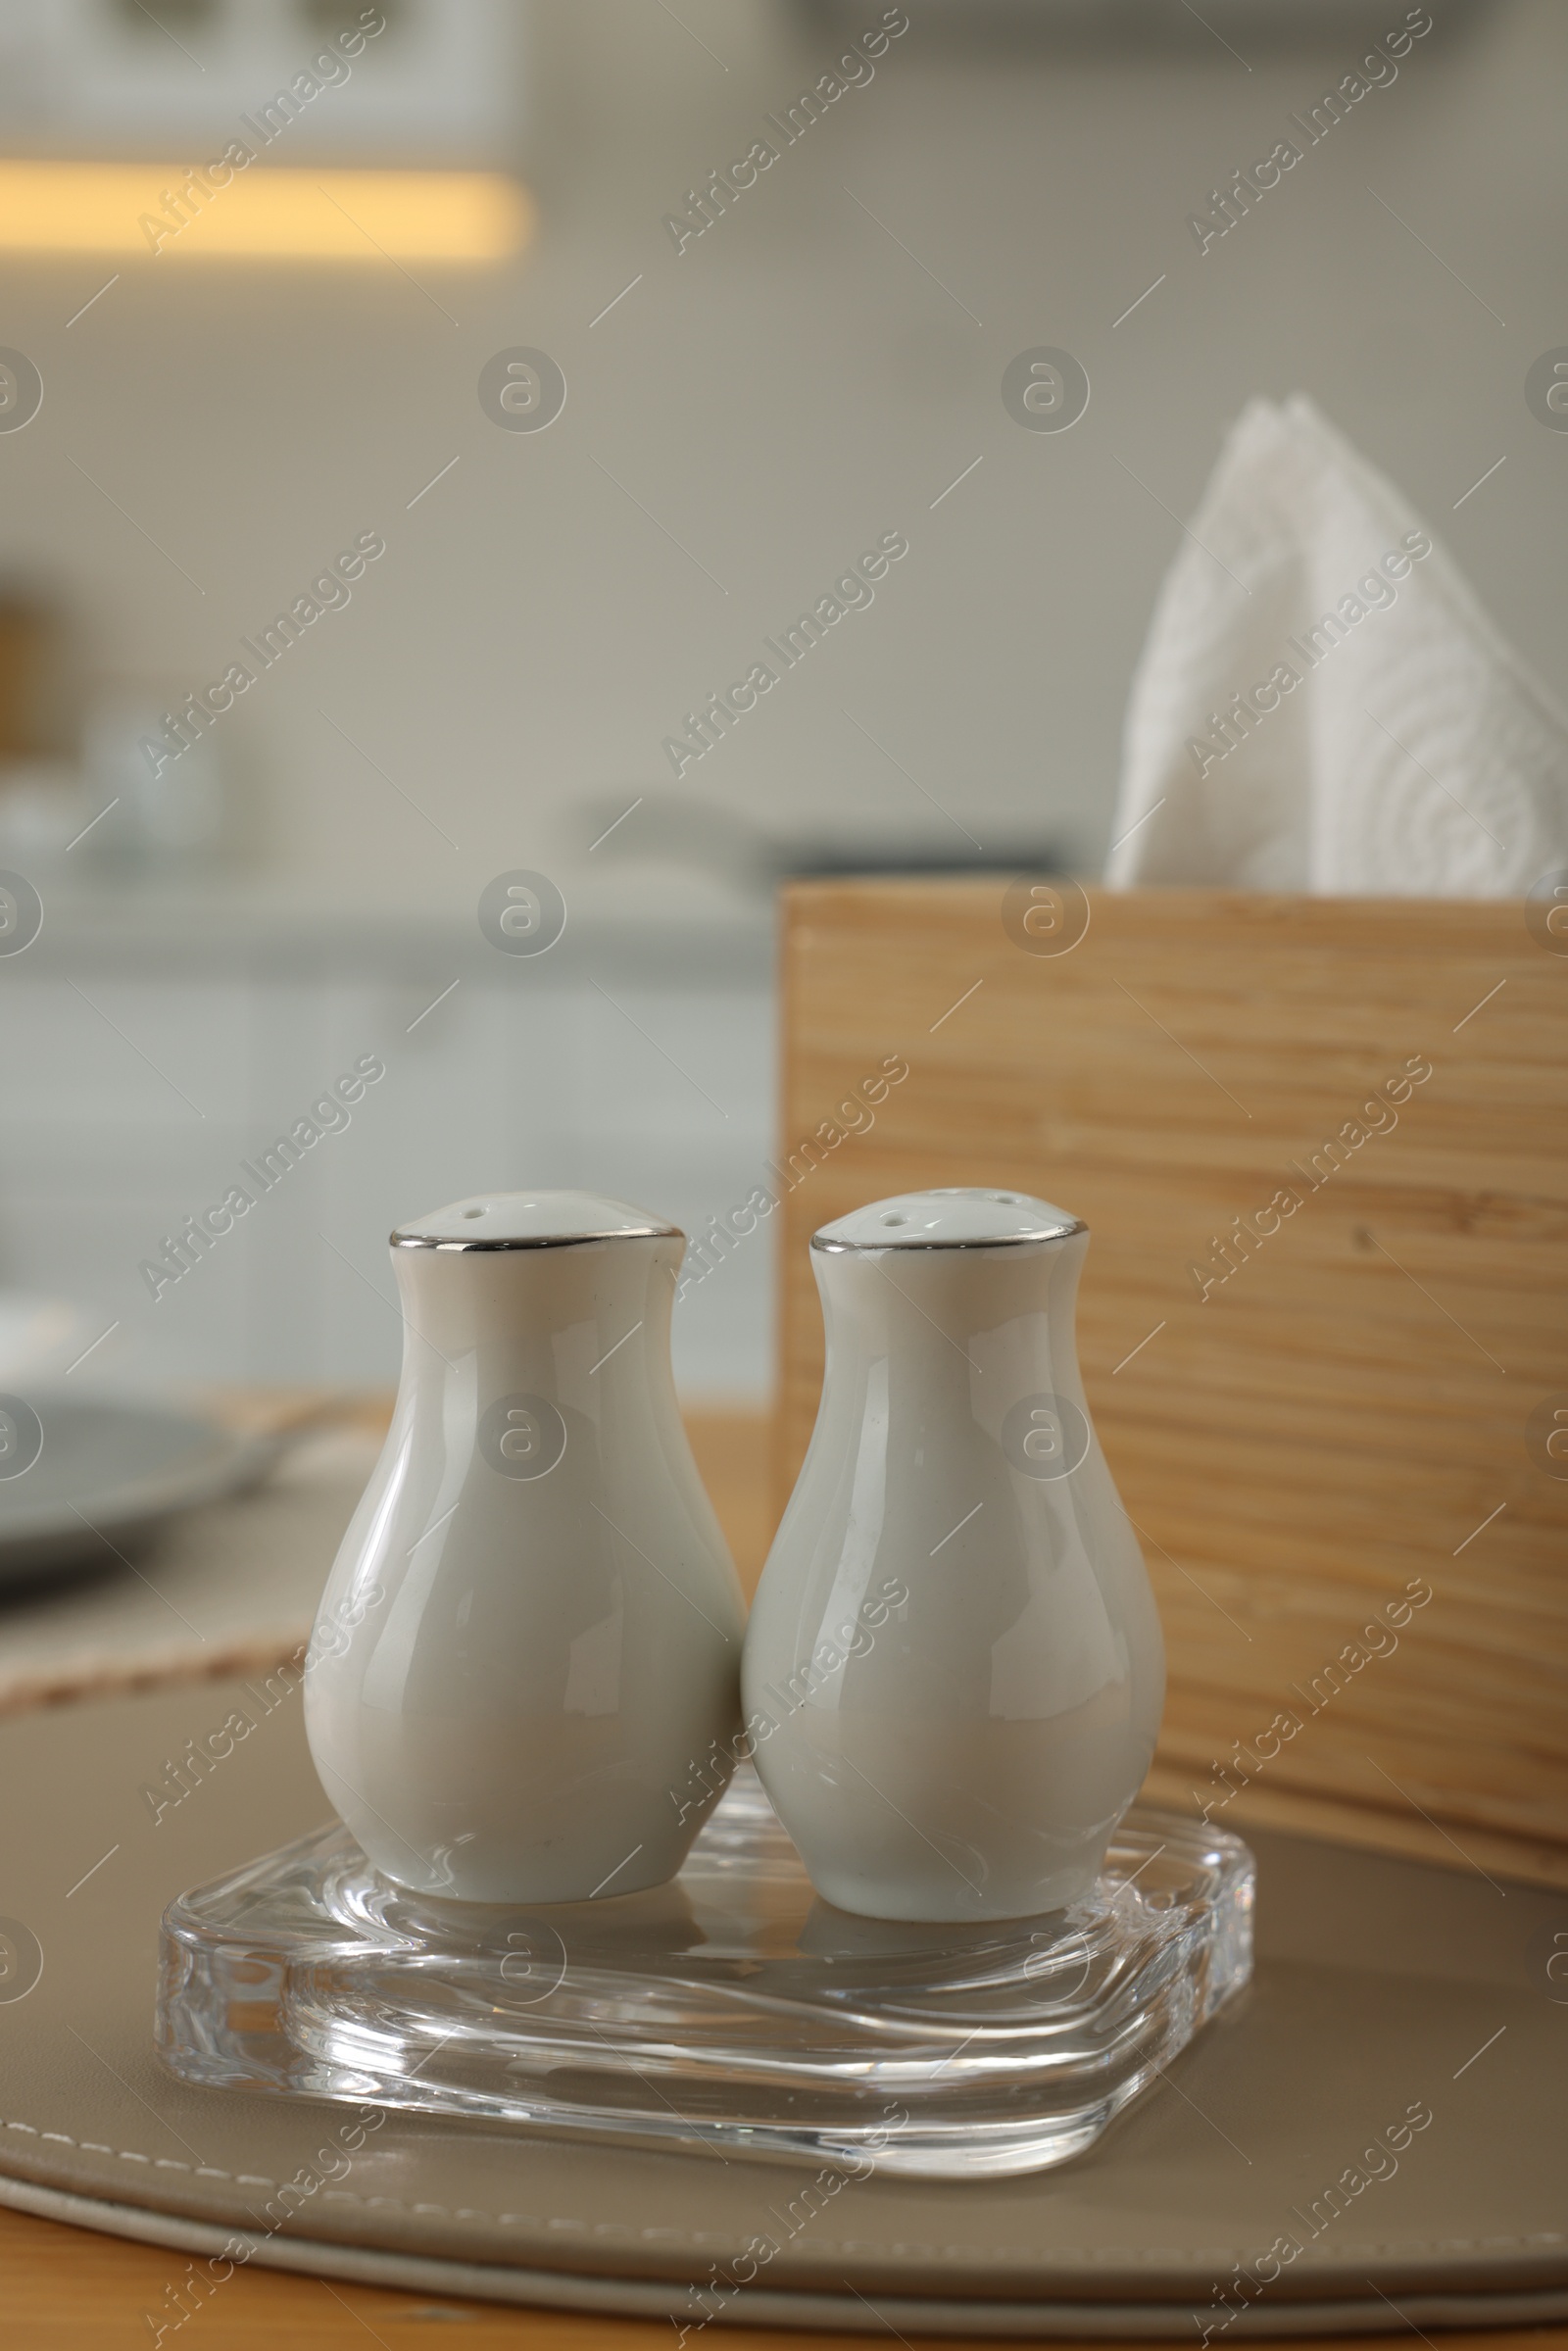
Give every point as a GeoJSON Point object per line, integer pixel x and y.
{"type": "Point", "coordinates": [1322, 1325]}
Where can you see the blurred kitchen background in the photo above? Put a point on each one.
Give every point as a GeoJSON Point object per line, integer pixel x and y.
{"type": "Point", "coordinates": [746, 410]}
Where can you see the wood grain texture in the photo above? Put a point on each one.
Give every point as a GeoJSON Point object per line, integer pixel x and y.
{"type": "Point", "coordinates": [1343, 1413]}
{"type": "Point", "coordinates": [733, 1454]}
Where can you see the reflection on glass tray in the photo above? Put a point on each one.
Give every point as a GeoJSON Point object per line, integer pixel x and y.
{"type": "Point", "coordinates": [730, 2011]}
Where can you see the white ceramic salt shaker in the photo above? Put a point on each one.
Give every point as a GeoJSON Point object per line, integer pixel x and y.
{"type": "Point", "coordinates": [954, 1671]}
{"type": "Point", "coordinates": [531, 1639]}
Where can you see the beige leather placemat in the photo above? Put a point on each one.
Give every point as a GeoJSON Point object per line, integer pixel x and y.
{"type": "Point", "coordinates": [1387, 1993]}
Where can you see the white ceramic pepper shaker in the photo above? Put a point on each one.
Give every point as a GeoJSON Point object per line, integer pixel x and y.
{"type": "Point", "coordinates": [954, 1670]}
{"type": "Point", "coordinates": [532, 1632]}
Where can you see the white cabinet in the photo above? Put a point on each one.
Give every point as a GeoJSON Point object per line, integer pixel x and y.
{"type": "Point", "coordinates": [148, 1059]}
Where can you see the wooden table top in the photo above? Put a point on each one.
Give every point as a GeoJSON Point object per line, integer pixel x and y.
{"type": "Point", "coordinates": [64, 2288]}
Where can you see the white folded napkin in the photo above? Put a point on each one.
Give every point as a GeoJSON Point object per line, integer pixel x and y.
{"type": "Point", "coordinates": [1322, 705]}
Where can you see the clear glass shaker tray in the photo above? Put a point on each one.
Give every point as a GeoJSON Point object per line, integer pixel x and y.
{"type": "Point", "coordinates": [730, 2011]}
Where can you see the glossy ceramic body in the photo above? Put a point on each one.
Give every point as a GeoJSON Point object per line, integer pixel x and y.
{"type": "Point", "coordinates": [954, 1670]}
{"type": "Point", "coordinates": [530, 1641]}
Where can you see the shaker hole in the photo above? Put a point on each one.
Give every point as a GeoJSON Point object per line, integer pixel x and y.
{"type": "Point", "coordinates": [895, 1220]}
{"type": "Point", "coordinates": [470, 1212]}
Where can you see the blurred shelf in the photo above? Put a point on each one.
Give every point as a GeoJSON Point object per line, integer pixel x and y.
{"type": "Point", "coordinates": [648, 925]}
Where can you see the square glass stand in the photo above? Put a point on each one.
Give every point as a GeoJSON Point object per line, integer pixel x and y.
{"type": "Point", "coordinates": [730, 2011]}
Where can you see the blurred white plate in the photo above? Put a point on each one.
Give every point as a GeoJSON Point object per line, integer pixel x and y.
{"type": "Point", "coordinates": [107, 1474]}
{"type": "Point", "coordinates": [37, 1338]}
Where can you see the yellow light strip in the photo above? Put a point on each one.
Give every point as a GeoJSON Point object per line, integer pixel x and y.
{"type": "Point", "coordinates": [261, 213]}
